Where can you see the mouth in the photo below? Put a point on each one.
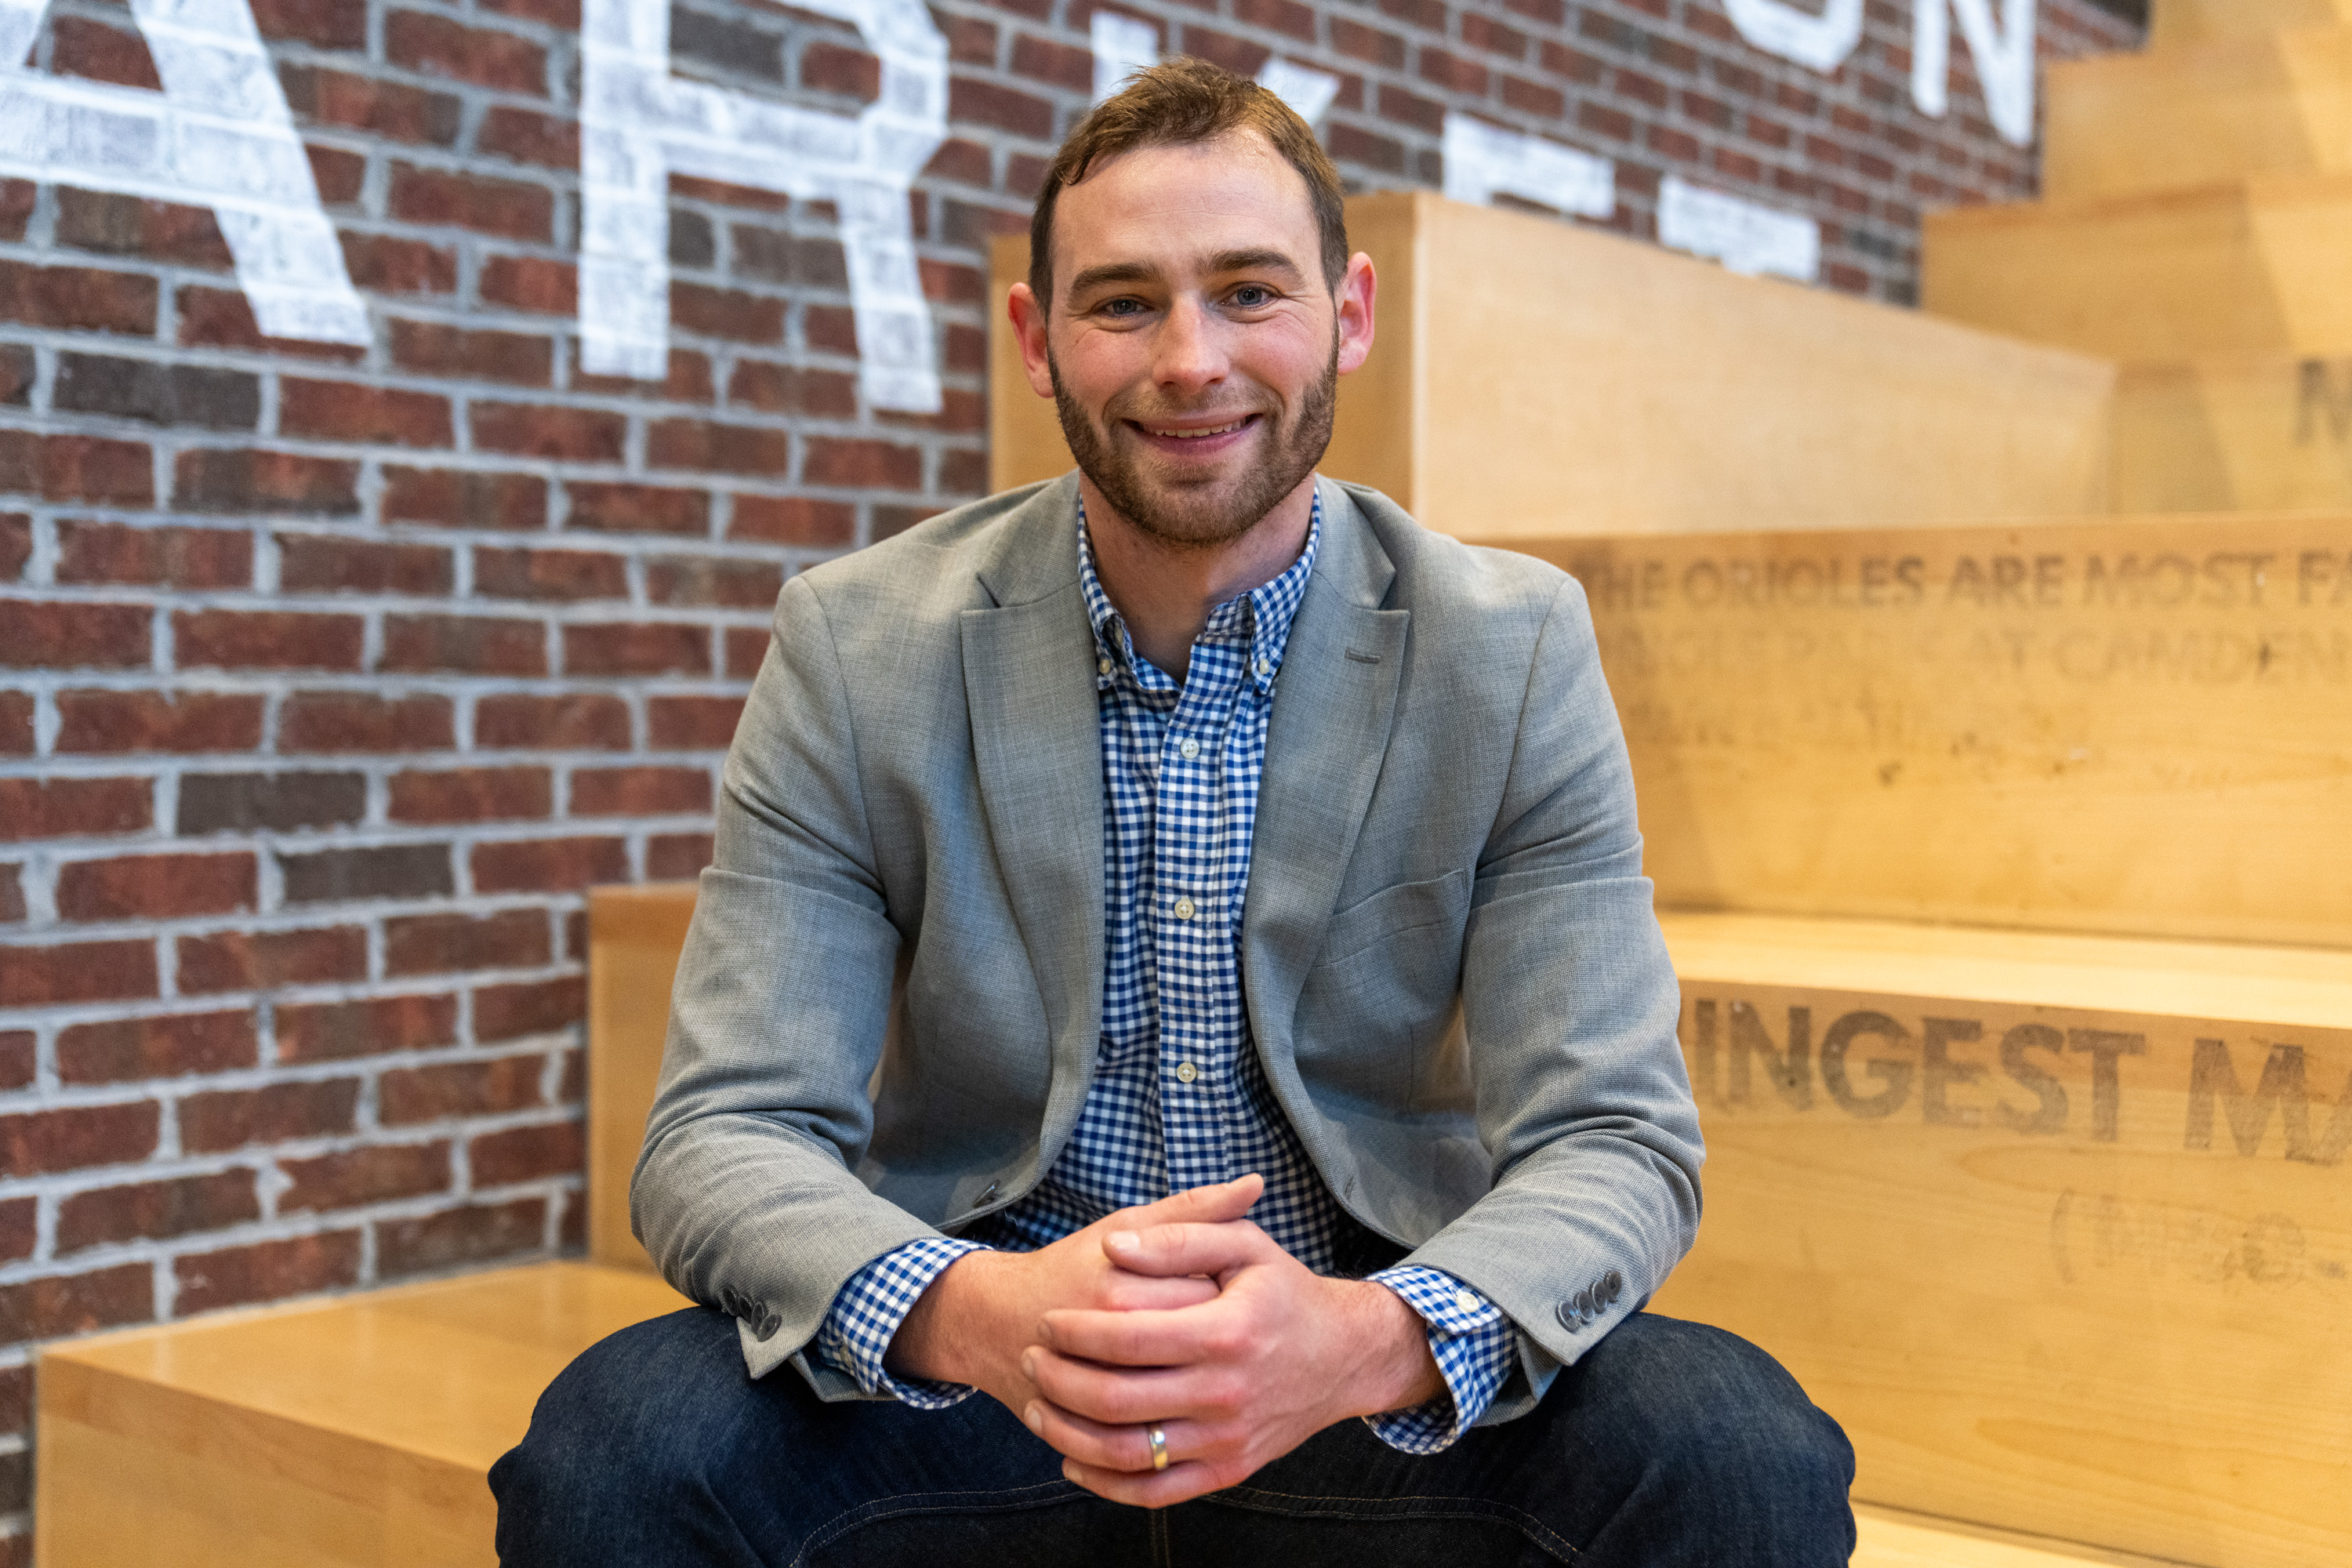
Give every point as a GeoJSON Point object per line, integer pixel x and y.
{"type": "Point", "coordinates": [1196, 440]}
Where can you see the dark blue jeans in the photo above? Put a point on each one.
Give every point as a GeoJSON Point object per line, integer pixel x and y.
{"type": "Point", "coordinates": [1668, 1444]}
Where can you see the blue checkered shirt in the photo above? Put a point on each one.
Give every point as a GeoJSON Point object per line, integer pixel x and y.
{"type": "Point", "coordinates": [1179, 1099]}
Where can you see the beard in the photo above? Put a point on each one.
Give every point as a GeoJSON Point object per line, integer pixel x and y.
{"type": "Point", "coordinates": [1199, 516]}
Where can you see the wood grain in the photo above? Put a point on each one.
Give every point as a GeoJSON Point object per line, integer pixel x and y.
{"type": "Point", "coordinates": [2259, 432]}
{"type": "Point", "coordinates": [353, 1433]}
{"type": "Point", "coordinates": [2178, 22]}
{"type": "Point", "coordinates": [2059, 1269]}
{"type": "Point", "coordinates": [635, 935]}
{"type": "Point", "coordinates": [2135, 726]}
{"type": "Point", "coordinates": [1534, 379]}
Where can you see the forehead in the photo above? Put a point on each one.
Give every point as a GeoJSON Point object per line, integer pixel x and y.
{"type": "Point", "coordinates": [1167, 207]}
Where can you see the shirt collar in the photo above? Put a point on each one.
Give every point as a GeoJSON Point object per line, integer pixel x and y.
{"type": "Point", "coordinates": [1263, 616]}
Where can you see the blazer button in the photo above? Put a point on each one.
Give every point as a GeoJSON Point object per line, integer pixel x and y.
{"type": "Point", "coordinates": [1568, 1318]}
{"type": "Point", "coordinates": [768, 1327]}
{"type": "Point", "coordinates": [1612, 1285]}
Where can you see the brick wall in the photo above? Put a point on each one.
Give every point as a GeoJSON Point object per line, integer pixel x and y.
{"type": "Point", "coordinates": [330, 678]}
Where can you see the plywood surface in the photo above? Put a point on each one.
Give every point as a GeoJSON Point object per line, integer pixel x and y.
{"type": "Point", "coordinates": [2174, 23]}
{"type": "Point", "coordinates": [2075, 1270]}
{"type": "Point", "coordinates": [1534, 378]}
{"type": "Point", "coordinates": [2254, 266]}
{"type": "Point", "coordinates": [635, 935]}
{"type": "Point", "coordinates": [351, 1432]}
{"type": "Point", "coordinates": [2263, 103]}
{"type": "Point", "coordinates": [2133, 727]}
{"type": "Point", "coordinates": [2263, 432]}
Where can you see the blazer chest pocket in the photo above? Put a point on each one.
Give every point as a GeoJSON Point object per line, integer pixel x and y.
{"type": "Point", "coordinates": [1437, 909]}
{"type": "Point", "coordinates": [1376, 1007]}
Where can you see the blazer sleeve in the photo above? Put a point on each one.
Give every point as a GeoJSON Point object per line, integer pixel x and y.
{"type": "Point", "coordinates": [1570, 1007]}
{"type": "Point", "coordinates": [745, 1193]}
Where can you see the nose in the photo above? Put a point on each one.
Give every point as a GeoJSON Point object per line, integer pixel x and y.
{"type": "Point", "coordinates": [1189, 355]}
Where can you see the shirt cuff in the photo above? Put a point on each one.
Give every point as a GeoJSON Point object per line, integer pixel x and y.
{"type": "Point", "coordinates": [867, 1313]}
{"type": "Point", "coordinates": [1474, 1345]}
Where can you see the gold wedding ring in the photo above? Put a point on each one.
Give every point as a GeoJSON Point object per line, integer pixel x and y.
{"type": "Point", "coordinates": [1158, 1447]}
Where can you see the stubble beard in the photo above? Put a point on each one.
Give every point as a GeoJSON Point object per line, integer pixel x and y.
{"type": "Point", "coordinates": [1200, 517]}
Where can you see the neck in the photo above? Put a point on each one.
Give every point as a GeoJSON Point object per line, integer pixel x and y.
{"type": "Point", "coordinates": [1164, 592]}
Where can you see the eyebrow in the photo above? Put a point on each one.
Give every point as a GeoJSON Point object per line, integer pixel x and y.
{"type": "Point", "coordinates": [1258, 261]}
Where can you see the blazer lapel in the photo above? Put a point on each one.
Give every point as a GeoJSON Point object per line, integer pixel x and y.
{"type": "Point", "coordinates": [1029, 684]}
{"type": "Point", "coordinates": [1325, 740]}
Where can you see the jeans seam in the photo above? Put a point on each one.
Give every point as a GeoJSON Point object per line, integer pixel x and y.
{"type": "Point", "coordinates": [879, 1510]}
{"type": "Point", "coordinates": [1528, 1524]}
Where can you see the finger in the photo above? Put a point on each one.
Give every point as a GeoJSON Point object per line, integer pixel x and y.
{"type": "Point", "coordinates": [1118, 1290]}
{"type": "Point", "coordinates": [1185, 1337]}
{"type": "Point", "coordinates": [1148, 1488]}
{"type": "Point", "coordinates": [1128, 1448]}
{"type": "Point", "coordinates": [1122, 1396]}
{"type": "Point", "coordinates": [1186, 1248]}
{"type": "Point", "coordinates": [1203, 1205]}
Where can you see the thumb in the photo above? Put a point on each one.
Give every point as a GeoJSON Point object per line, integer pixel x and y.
{"type": "Point", "coordinates": [1195, 1206]}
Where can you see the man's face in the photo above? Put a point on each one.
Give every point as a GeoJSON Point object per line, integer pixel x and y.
{"type": "Point", "coordinates": [1191, 347]}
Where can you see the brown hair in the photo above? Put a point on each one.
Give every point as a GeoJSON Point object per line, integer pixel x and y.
{"type": "Point", "coordinates": [1180, 103]}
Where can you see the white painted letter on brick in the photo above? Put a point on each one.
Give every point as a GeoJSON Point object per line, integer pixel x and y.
{"type": "Point", "coordinates": [1746, 237]}
{"type": "Point", "coordinates": [218, 135]}
{"type": "Point", "coordinates": [639, 125]}
{"type": "Point", "coordinates": [1821, 39]}
{"type": "Point", "coordinates": [1308, 91]}
{"type": "Point", "coordinates": [1122, 47]}
{"type": "Point", "coordinates": [2004, 56]}
{"type": "Point", "coordinates": [1483, 161]}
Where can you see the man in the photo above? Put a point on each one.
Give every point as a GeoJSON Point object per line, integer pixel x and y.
{"type": "Point", "coordinates": [1101, 864]}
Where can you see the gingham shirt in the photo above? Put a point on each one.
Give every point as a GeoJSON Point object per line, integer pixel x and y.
{"type": "Point", "coordinates": [1179, 1099]}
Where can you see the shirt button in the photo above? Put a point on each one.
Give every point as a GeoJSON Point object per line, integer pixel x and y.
{"type": "Point", "coordinates": [1183, 909]}
{"type": "Point", "coordinates": [1465, 1302]}
{"type": "Point", "coordinates": [1189, 750]}
{"type": "Point", "coordinates": [1102, 666]}
{"type": "Point", "coordinates": [1186, 1072]}
{"type": "Point", "coordinates": [1264, 668]}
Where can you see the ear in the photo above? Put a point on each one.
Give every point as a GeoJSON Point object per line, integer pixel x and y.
{"type": "Point", "coordinates": [1028, 318]}
{"type": "Point", "coordinates": [1355, 301]}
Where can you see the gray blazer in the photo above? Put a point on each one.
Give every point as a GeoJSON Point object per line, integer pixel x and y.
{"type": "Point", "coordinates": [887, 1013]}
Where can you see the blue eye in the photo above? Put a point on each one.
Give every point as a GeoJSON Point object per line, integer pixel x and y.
{"type": "Point", "coordinates": [1250, 296]}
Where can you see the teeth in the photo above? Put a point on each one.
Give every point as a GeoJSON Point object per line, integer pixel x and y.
{"type": "Point", "coordinates": [1196, 435]}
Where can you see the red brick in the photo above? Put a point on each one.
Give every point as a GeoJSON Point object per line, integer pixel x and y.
{"type": "Point", "coordinates": [638, 647]}
{"type": "Point", "coordinates": [637, 508]}
{"type": "Point", "coordinates": [571, 721]}
{"type": "Point", "coordinates": [985, 104]}
{"type": "Point", "coordinates": [725, 449]}
{"type": "Point", "coordinates": [1370, 45]}
{"type": "Point", "coordinates": [387, 108]}
{"type": "Point", "coordinates": [528, 138]}
{"type": "Point", "coordinates": [76, 1303]}
{"type": "Point", "coordinates": [168, 557]}
{"type": "Point", "coordinates": [461, 1088]}
{"type": "Point", "coordinates": [113, 723]}
{"type": "Point", "coordinates": [77, 297]}
{"type": "Point", "coordinates": [549, 865]}
{"type": "Point", "coordinates": [852, 73]}
{"type": "Point", "coordinates": [1062, 65]}
{"type": "Point", "coordinates": [379, 871]}
{"type": "Point", "coordinates": [877, 465]}
{"type": "Point", "coordinates": [266, 639]}
{"type": "Point", "coordinates": [435, 46]}
{"type": "Point", "coordinates": [77, 971]}
{"type": "Point", "coordinates": [322, 564]}
{"type": "Point", "coordinates": [15, 544]}
{"type": "Point", "coordinates": [815, 261]}
{"type": "Point", "coordinates": [790, 389]}
{"type": "Point", "coordinates": [721, 194]}
{"type": "Point", "coordinates": [437, 348]}
{"type": "Point", "coordinates": [263, 960]}
{"type": "Point", "coordinates": [36, 635]}
{"type": "Point", "coordinates": [16, 1061]}
{"type": "Point", "coordinates": [471, 794]}
{"type": "Point", "coordinates": [386, 264]}
{"type": "Point", "coordinates": [464, 497]}
{"type": "Point", "coordinates": [508, 208]}
{"type": "Point", "coordinates": [465, 1235]}
{"type": "Point", "coordinates": [1239, 56]}
{"type": "Point", "coordinates": [1533, 98]}
{"type": "Point", "coordinates": [218, 479]}
{"type": "Point", "coordinates": [1453, 72]}
{"type": "Point", "coordinates": [154, 1210]}
{"type": "Point", "coordinates": [531, 283]}
{"type": "Point", "coordinates": [726, 313]}
{"type": "Point", "coordinates": [550, 574]}
{"type": "Point", "coordinates": [639, 791]}
{"type": "Point", "coordinates": [73, 808]}
{"type": "Point", "coordinates": [278, 1114]}
{"type": "Point", "coordinates": [443, 944]}
{"type": "Point", "coordinates": [563, 15]}
{"type": "Point", "coordinates": [574, 1088]}
{"type": "Point", "coordinates": [76, 1137]}
{"type": "Point", "coordinates": [531, 1007]}
{"type": "Point", "coordinates": [890, 521]}
{"type": "Point", "coordinates": [363, 721]}
{"type": "Point", "coordinates": [693, 723]}
{"type": "Point", "coordinates": [746, 650]}
{"type": "Point", "coordinates": [115, 225]}
{"type": "Point", "coordinates": [471, 645]}
{"type": "Point", "coordinates": [953, 285]}
{"type": "Point", "coordinates": [1410, 109]}
{"type": "Point", "coordinates": [20, 1232]}
{"type": "Point", "coordinates": [342, 411]}
{"type": "Point", "coordinates": [332, 1031]}
{"type": "Point", "coordinates": [171, 1046]}
{"type": "Point", "coordinates": [1277, 16]}
{"type": "Point", "coordinates": [526, 1153]}
{"type": "Point", "coordinates": [676, 857]}
{"type": "Point", "coordinates": [16, 207]}
{"type": "Point", "coordinates": [156, 887]}
{"type": "Point", "coordinates": [731, 580]}
{"type": "Point", "coordinates": [687, 381]}
{"type": "Point", "coordinates": [964, 163]}
{"type": "Point", "coordinates": [266, 1271]}
{"type": "Point", "coordinates": [16, 723]}
{"type": "Point", "coordinates": [793, 520]}
{"type": "Point", "coordinates": [223, 318]}
{"type": "Point", "coordinates": [11, 895]}
{"type": "Point", "coordinates": [372, 1174]}
{"type": "Point", "coordinates": [77, 468]}
{"type": "Point", "coordinates": [330, 24]}
{"type": "Point", "coordinates": [963, 471]}
{"type": "Point", "coordinates": [581, 435]}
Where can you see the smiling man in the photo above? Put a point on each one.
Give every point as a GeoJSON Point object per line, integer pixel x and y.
{"type": "Point", "coordinates": [1174, 1062]}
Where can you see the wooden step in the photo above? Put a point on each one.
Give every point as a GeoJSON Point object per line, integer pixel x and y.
{"type": "Point", "coordinates": [2140, 726]}
{"type": "Point", "coordinates": [2058, 1229]}
{"type": "Point", "coordinates": [1891, 1538]}
{"type": "Point", "coordinates": [2234, 433]}
{"type": "Point", "coordinates": [634, 936]}
{"type": "Point", "coordinates": [1651, 392]}
{"type": "Point", "coordinates": [2254, 266]}
{"type": "Point", "coordinates": [2177, 22]}
{"type": "Point", "coordinates": [350, 1434]}
{"type": "Point", "coordinates": [2260, 103]}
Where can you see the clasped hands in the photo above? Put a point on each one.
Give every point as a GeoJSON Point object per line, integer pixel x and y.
{"type": "Point", "coordinates": [1180, 1315]}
